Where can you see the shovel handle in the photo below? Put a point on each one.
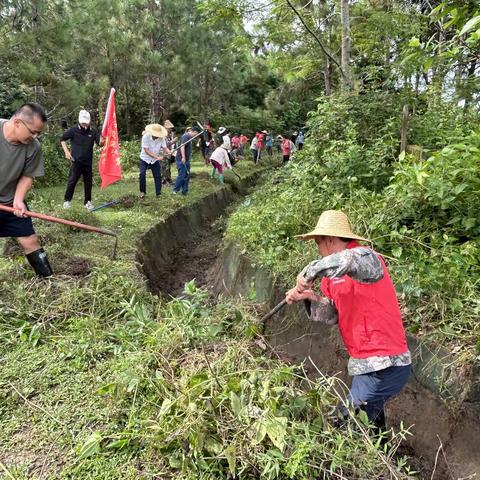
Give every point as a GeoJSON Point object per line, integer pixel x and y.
{"type": "Point", "coordinates": [273, 311]}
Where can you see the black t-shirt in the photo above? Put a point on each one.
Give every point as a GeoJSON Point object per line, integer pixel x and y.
{"type": "Point", "coordinates": [82, 143]}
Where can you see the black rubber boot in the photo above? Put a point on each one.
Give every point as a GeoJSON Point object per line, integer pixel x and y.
{"type": "Point", "coordinates": [39, 262]}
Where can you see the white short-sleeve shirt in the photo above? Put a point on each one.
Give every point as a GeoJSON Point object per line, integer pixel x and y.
{"type": "Point", "coordinates": [155, 146]}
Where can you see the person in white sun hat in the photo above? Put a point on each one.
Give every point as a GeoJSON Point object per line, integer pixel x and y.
{"type": "Point", "coordinates": [82, 139]}
{"type": "Point", "coordinates": [354, 280]}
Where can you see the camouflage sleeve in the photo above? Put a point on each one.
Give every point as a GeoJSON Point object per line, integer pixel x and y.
{"type": "Point", "coordinates": [322, 311]}
{"type": "Point", "coordinates": [361, 264]}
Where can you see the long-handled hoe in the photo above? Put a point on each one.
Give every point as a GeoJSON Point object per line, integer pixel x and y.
{"type": "Point", "coordinates": [62, 221]}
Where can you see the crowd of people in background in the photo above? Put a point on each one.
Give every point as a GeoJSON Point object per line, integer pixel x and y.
{"type": "Point", "coordinates": [161, 147]}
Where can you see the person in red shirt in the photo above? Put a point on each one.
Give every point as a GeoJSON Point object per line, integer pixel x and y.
{"type": "Point", "coordinates": [358, 294]}
{"type": "Point", "coordinates": [260, 144]}
{"type": "Point", "coordinates": [287, 148]}
{"type": "Point", "coordinates": [242, 143]}
{"type": "Point", "coordinates": [235, 141]}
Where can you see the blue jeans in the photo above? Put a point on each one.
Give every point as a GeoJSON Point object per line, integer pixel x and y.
{"type": "Point", "coordinates": [371, 391]}
{"type": "Point", "coordinates": [181, 182]}
{"type": "Point", "coordinates": [157, 176]}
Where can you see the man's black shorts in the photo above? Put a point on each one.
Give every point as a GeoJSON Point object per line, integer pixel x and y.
{"type": "Point", "coordinates": [12, 226]}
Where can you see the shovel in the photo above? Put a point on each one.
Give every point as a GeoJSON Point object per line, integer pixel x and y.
{"type": "Point", "coordinates": [62, 221]}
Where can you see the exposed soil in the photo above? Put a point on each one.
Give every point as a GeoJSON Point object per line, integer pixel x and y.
{"type": "Point", "coordinates": [72, 266]}
{"type": "Point", "coordinates": [194, 261]}
{"type": "Point", "coordinates": [12, 248]}
{"type": "Point", "coordinates": [127, 201]}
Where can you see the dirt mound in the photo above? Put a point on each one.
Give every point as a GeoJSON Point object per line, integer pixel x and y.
{"type": "Point", "coordinates": [128, 201]}
{"type": "Point", "coordinates": [72, 266]}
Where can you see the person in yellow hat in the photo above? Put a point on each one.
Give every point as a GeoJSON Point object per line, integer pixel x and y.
{"type": "Point", "coordinates": [154, 146]}
{"type": "Point", "coordinates": [355, 281]}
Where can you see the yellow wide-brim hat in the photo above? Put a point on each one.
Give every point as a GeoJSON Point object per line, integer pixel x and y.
{"type": "Point", "coordinates": [332, 223]}
{"type": "Point", "coordinates": [156, 130]}
{"type": "Point", "coordinates": [168, 124]}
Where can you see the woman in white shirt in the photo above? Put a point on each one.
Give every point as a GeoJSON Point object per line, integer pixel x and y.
{"type": "Point", "coordinates": [219, 161]}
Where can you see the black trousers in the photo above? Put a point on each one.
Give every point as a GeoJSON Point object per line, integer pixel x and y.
{"type": "Point", "coordinates": [78, 170]}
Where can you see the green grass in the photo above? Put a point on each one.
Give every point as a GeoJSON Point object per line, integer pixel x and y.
{"type": "Point", "coordinates": [101, 379]}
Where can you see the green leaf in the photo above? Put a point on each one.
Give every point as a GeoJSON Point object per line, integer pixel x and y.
{"type": "Point", "coordinates": [166, 404]}
{"type": "Point", "coordinates": [91, 446]}
{"type": "Point", "coordinates": [276, 431]}
{"type": "Point", "coordinates": [107, 389]}
{"type": "Point", "coordinates": [231, 458]}
{"type": "Point", "coordinates": [414, 42]}
{"type": "Point", "coordinates": [397, 252]}
{"type": "Point", "coordinates": [213, 445]}
{"type": "Point", "coordinates": [470, 25]}
{"type": "Point", "coordinates": [118, 444]}
{"type": "Point", "coordinates": [260, 431]}
{"type": "Point", "coordinates": [236, 403]}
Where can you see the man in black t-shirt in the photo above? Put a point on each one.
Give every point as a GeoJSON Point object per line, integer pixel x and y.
{"type": "Point", "coordinates": [82, 138]}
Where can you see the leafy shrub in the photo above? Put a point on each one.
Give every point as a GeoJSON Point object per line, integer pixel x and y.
{"type": "Point", "coordinates": [424, 215]}
{"type": "Point", "coordinates": [56, 165]}
{"type": "Point", "coordinates": [129, 154]}
{"type": "Point", "coordinates": [437, 123]}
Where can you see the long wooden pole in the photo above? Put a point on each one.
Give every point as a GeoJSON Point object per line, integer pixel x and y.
{"type": "Point", "coordinates": [69, 223]}
{"type": "Point", "coordinates": [63, 221]}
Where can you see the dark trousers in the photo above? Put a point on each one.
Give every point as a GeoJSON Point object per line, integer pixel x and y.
{"type": "Point", "coordinates": [371, 391]}
{"type": "Point", "coordinates": [157, 176]}
{"type": "Point", "coordinates": [76, 171]}
{"type": "Point", "coordinates": [300, 146]}
{"type": "Point", "coordinates": [183, 178]}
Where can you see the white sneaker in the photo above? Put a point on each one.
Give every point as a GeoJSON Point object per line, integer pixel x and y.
{"type": "Point", "coordinates": [66, 205]}
{"type": "Point", "coordinates": [89, 206]}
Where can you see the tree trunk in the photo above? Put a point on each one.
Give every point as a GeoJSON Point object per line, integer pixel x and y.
{"type": "Point", "coordinates": [327, 73]}
{"type": "Point", "coordinates": [404, 131]}
{"type": "Point", "coordinates": [156, 104]}
{"type": "Point", "coordinates": [346, 46]}
{"type": "Point", "coordinates": [468, 91]}
{"type": "Point", "coordinates": [127, 111]}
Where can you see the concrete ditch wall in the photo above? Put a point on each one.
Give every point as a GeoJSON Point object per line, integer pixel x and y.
{"type": "Point", "coordinates": [441, 401]}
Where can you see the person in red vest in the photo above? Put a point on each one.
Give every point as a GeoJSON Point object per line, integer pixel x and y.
{"type": "Point", "coordinates": [260, 136]}
{"type": "Point", "coordinates": [358, 294]}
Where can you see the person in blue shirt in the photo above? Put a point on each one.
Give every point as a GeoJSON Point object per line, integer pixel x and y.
{"type": "Point", "coordinates": [269, 144]}
{"type": "Point", "coordinates": [300, 140]}
{"type": "Point", "coordinates": [182, 160]}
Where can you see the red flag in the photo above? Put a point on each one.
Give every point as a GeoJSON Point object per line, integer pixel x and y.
{"type": "Point", "coordinates": [109, 166]}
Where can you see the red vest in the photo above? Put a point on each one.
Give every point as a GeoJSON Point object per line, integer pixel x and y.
{"type": "Point", "coordinates": [368, 314]}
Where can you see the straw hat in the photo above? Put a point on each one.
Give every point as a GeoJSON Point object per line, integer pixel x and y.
{"type": "Point", "coordinates": [156, 130]}
{"type": "Point", "coordinates": [168, 124]}
{"type": "Point", "coordinates": [332, 223]}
